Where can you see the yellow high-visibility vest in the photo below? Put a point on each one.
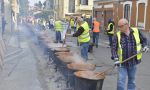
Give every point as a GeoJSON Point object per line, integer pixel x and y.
{"type": "Point", "coordinates": [138, 45]}
{"type": "Point", "coordinates": [113, 31]}
{"type": "Point", "coordinates": [58, 26]}
{"type": "Point", "coordinates": [85, 36]}
{"type": "Point", "coordinates": [72, 23]}
{"type": "Point", "coordinates": [78, 26]}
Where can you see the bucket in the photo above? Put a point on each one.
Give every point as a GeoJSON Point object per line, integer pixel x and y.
{"type": "Point", "coordinates": [88, 80]}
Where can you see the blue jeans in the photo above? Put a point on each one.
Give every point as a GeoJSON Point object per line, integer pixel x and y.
{"type": "Point", "coordinates": [95, 38]}
{"type": "Point", "coordinates": [58, 36]}
{"type": "Point", "coordinates": [123, 72]}
{"type": "Point", "coordinates": [84, 50]}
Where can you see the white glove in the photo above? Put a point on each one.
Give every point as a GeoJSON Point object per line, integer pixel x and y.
{"type": "Point", "coordinates": [145, 49]}
{"type": "Point", "coordinates": [117, 63]}
{"type": "Point", "coordinates": [116, 59]}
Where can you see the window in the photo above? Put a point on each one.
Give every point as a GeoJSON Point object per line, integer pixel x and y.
{"type": "Point", "coordinates": [71, 6]}
{"type": "Point", "coordinates": [84, 2]}
{"type": "Point", "coordinates": [51, 3]}
{"type": "Point", "coordinates": [127, 12]}
{"type": "Point", "coordinates": [141, 13]}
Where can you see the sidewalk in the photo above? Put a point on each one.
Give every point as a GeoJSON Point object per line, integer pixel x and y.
{"type": "Point", "coordinates": [19, 71]}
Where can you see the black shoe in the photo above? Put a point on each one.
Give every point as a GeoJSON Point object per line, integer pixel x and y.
{"type": "Point", "coordinates": [96, 46]}
{"type": "Point", "coordinates": [60, 41]}
{"type": "Point", "coordinates": [55, 41]}
{"type": "Point", "coordinates": [108, 46]}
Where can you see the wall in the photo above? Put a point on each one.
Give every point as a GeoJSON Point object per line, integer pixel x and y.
{"type": "Point", "coordinates": [103, 12]}
{"type": "Point", "coordinates": [0, 18]}
{"type": "Point", "coordinates": [7, 15]}
{"type": "Point", "coordinates": [133, 14]}
{"type": "Point", "coordinates": [66, 6]}
{"type": "Point", "coordinates": [148, 17]}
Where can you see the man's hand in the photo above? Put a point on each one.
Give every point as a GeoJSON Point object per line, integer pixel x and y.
{"type": "Point", "coordinates": [117, 62]}
{"type": "Point", "coordinates": [145, 49]}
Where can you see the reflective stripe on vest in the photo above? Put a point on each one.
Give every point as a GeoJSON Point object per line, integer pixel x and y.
{"type": "Point", "coordinates": [112, 32]}
{"type": "Point", "coordinates": [85, 36]}
{"type": "Point", "coordinates": [96, 26]}
{"type": "Point", "coordinates": [58, 26]}
{"type": "Point", "coordinates": [138, 45]}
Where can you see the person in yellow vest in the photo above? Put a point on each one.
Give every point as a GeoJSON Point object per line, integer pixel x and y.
{"type": "Point", "coordinates": [96, 31]}
{"type": "Point", "coordinates": [83, 37]}
{"type": "Point", "coordinates": [58, 28]}
{"type": "Point", "coordinates": [127, 42]}
{"type": "Point", "coordinates": [110, 31]}
{"type": "Point", "coordinates": [72, 22]}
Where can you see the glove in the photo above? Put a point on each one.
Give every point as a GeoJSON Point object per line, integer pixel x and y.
{"type": "Point", "coordinates": [145, 49]}
{"type": "Point", "coordinates": [113, 58]}
{"type": "Point", "coordinates": [116, 62]}
{"type": "Point", "coordinates": [116, 59]}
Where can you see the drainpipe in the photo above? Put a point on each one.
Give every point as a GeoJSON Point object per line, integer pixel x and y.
{"type": "Point", "coordinates": [93, 14]}
{"type": "Point", "coordinates": [0, 18]}
{"type": "Point", "coordinates": [11, 25]}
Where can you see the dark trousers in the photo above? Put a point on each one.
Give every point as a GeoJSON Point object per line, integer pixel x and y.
{"type": "Point", "coordinates": [95, 38]}
{"type": "Point", "coordinates": [58, 36]}
{"type": "Point", "coordinates": [110, 40]}
{"type": "Point", "coordinates": [51, 26]}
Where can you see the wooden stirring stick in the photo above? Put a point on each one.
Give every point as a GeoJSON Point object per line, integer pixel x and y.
{"type": "Point", "coordinates": [101, 73]}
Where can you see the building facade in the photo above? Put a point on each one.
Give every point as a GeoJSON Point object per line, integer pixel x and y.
{"type": "Point", "coordinates": [15, 12]}
{"type": "Point", "coordinates": [84, 6]}
{"type": "Point", "coordinates": [135, 11]}
{"type": "Point", "coordinates": [63, 8]}
{"type": "Point", "coordinates": [6, 16]}
{"type": "Point", "coordinates": [24, 7]}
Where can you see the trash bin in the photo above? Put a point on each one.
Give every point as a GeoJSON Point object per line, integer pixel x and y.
{"type": "Point", "coordinates": [88, 80]}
